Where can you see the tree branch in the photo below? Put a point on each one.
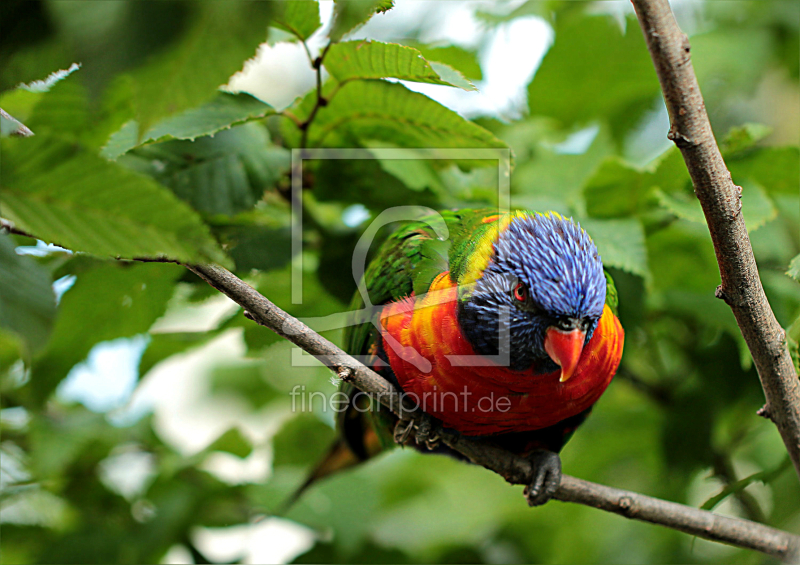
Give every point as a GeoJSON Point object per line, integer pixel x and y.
{"type": "Point", "coordinates": [516, 470]}
{"type": "Point", "coordinates": [721, 201]}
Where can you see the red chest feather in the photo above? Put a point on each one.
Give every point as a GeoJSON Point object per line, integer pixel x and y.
{"type": "Point", "coordinates": [431, 359]}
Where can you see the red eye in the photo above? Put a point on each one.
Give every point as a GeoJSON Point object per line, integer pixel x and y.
{"type": "Point", "coordinates": [520, 292]}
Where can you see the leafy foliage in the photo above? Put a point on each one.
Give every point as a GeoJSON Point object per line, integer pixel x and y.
{"type": "Point", "coordinates": [298, 18]}
{"type": "Point", "coordinates": [372, 60]}
{"type": "Point", "coordinates": [27, 303]}
{"type": "Point", "coordinates": [63, 193]}
{"type": "Point", "coordinates": [390, 112]}
{"type": "Point", "coordinates": [140, 154]}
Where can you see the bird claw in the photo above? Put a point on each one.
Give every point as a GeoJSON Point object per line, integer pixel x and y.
{"type": "Point", "coordinates": [425, 432]}
{"type": "Point", "coordinates": [546, 477]}
{"type": "Point", "coordinates": [402, 430]}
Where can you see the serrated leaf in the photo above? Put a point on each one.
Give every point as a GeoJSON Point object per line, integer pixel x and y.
{"type": "Point", "coordinates": [366, 59]}
{"type": "Point", "coordinates": [218, 39]}
{"type": "Point", "coordinates": [465, 62]}
{"type": "Point", "coordinates": [47, 83]}
{"type": "Point", "coordinates": [350, 14]}
{"type": "Point", "coordinates": [794, 268]}
{"type": "Point", "coordinates": [451, 76]}
{"type": "Point", "coordinates": [620, 243]}
{"type": "Point", "coordinates": [233, 442]}
{"type": "Point", "coordinates": [27, 302]}
{"type": "Point", "coordinates": [223, 112]}
{"type": "Point", "coordinates": [384, 111]}
{"type": "Point", "coordinates": [222, 174]}
{"type": "Point", "coordinates": [299, 17]}
{"type": "Point", "coordinates": [63, 111]}
{"type": "Point", "coordinates": [64, 194]}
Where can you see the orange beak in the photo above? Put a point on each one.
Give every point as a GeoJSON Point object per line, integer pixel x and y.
{"type": "Point", "coordinates": [564, 347]}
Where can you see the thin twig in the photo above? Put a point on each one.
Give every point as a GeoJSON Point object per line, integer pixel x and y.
{"type": "Point", "coordinates": [516, 470]}
{"type": "Point", "coordinates": [321, 100]}
{"type": "Point", "coordinates": [721, 201]}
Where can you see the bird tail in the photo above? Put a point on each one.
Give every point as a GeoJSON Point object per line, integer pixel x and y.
{"type": "Point", "coordinates": [340, 456]}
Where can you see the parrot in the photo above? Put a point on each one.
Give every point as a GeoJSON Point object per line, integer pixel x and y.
{"type": "Point", "coordinates": [506, 330]}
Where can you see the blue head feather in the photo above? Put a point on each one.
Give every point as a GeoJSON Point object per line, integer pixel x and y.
{"type": "Point", "coordinates": [560, 267]}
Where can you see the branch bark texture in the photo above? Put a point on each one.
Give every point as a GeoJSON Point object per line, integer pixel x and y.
{"type": "Point", "coordinates": [721, 201]}
{"type": "Point", "coordinates": [516, 470]}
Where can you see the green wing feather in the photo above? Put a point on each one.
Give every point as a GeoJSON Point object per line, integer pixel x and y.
{"type": "Point", "coordinates": [612, 298]}
{"type": "Point", "coordinates": [406, 262]}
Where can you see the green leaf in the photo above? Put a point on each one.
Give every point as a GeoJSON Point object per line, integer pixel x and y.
{"type": "Point", "coordinates": [112, 300]}
{"type": "Point", "coordinates": [357, 182]}
{"type": "Point", "coordinates": [47, 83]}
{"type": "Point", "coordinates": [776, 169]}
{"type": "Point", "coordinates": [616, 189]}
{"type": "Point", "coordinates": [451, 76]}
{"type": "Point", "coordinates": [550, 177]}
{"type": "Point", "coordinates": [365, 59]}
{"type": "Point", "coordinates": [682, 205]}
{"type": "Point", "coordinates": [222, 174]}
{"type": "Point", "coordinates": [764, 477]}
{"type": "Point", "coordinates": [19, 102]}
{"type": "Point", "coordinates": [466, 62]}
{"type": "Point", "coordinates": [27, 302]}
{"type": "Point", "coordinates": [794, 268]}
{"type": "Point", "coordinates": [246, 380]}
{"type": "Point", "coordinates": [304, 440]}
{"type": "Point", "coordinates": [350, 14]}
{"type": "Point", "coordinates": [162, 346]}
{"type": "Point", "coordinates": [757, 207]}
{"type": "Point", "coordinates": [744, 137]}
{"type": "Point", "coordinates": [384, 111]}
{"type": "Point", "coordinates": [594, 71]}
{"type": "Point", "coordinates": [682, 258]}
{"type": "Point", "coordinates": [299, 17]}
{"type": "Point", "coordinates": [415, 174]}
{"type": "Point", "coordinates": [232, 442]}
{"type": "Point", "coordinates": [262, 248]}
{"type": "Point", "coordinates": [221, 113]}
{"type": "Point", "coordinates": [621, 244]}
{"type": "Point", "coordinates": [219, 37]}
{"type": "Point", "coordinates": [64, 194]}
{"type": "Point", "coordinates": [63, 111]}
{"type": "Point", "coordinates": [730, 59]}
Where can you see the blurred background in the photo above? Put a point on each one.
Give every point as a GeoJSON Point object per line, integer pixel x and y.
{"type": "Point", "coordinates": [154, 423]}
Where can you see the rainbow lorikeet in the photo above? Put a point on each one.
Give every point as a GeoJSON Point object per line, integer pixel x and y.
{"type": "Point", "coordinates": [504, 330]}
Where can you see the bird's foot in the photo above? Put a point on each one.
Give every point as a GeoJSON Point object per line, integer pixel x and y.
{"type": "Point", "coordinates": [546, 477]}
{"type": "Point", "coordinates": [424, 427]}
